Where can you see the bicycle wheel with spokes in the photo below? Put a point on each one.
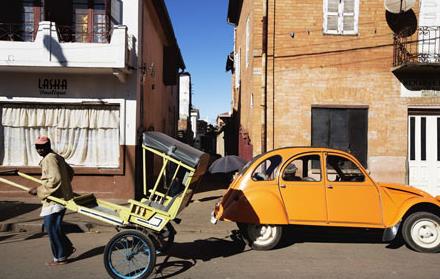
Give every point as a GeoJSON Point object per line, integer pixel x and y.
{"type": "Point", "coordinates": [130, 254]}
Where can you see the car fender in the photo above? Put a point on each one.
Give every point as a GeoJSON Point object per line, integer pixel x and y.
{"type": "Point", "coordinates": [421, 202]}
{"type": "Point", "coordinates": [256, 207]}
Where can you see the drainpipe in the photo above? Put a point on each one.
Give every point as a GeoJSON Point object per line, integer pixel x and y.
{"type": "Point", "coordinates": [264, 77]}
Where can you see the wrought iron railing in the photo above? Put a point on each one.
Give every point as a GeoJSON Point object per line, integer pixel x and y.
{"type": "Point", "coordinates": [100, 33]}
{"type": "Point", "coordinates": [24, 32]}
{"type": "Point", "coordinates": [421, 47]}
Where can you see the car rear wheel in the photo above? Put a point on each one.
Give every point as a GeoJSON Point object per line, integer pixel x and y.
{"type": "Point", "coordinates": [421, 231]}
{"type": "Point", "coordinates": [261, 237]}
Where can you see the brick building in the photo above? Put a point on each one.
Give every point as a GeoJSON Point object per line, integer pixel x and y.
{"type": "Point", "coordinates": [93, 75]}
{"type": "Point", "coordinates": [320, 73]}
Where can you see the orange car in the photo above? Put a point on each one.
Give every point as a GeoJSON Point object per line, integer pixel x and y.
{"type": "Point", "coordinates": [324, 187]}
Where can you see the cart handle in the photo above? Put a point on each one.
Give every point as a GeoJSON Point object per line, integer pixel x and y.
{"type": "Point", "coordinates": [10, 171]}
{"type": "Point", "coordinates": [15, 171]}
{"type": "Point", "coordinates": [6, 181]}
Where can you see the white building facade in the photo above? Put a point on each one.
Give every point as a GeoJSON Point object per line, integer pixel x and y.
{"type": "Point", "coordinates": [86, 82]}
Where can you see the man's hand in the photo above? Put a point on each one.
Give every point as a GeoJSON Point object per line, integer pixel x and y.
{"type": "Point", "coordinates": [33, 191]}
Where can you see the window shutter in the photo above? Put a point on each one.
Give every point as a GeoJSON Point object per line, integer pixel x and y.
{"type": "Point", "coordinates": [237, 62]}
{"type": "Point", "coordinates": [341, 16]}
{"type": "Point", "coordinates": [331, 16]}
{"type": "Point", "coordinates": [349, 19]}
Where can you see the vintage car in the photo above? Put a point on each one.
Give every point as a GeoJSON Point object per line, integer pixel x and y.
{"type": "Point", "coordinates": [324, 187]}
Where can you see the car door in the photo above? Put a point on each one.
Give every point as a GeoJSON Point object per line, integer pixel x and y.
{"type": "Point", "coordinates": [302, 189]}
{"type": "Point", "coordinates": [352, 197]}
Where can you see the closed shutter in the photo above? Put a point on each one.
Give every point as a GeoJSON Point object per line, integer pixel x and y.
{"type": "Point", "coordinates": [341, 17]}
{"type": "Point", "coordinates": [331, 16]}
{"type": "Point", "coordinates": [349, 24]}
{"type": "Point", "coordinates": [237, 62]}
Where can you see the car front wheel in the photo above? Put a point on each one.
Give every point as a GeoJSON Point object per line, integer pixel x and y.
{"type": "Point", "coordinates": [421, 231]}
{"type": "Point", "coordinates": [261, 237]}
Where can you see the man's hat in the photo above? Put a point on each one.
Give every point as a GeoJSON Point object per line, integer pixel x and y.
{"type": "Point", "coordinates": [291, 168]}
{"type": "Point", "coordinates": [42, 140]}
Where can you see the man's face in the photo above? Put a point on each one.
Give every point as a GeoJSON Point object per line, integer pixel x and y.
{"type": "Point", "coordinates": [42, 149]}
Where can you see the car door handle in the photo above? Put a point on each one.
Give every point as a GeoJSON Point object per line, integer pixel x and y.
{"type": "Point", "coordinates": [330, 186]}
{"type": "Point", "coordinates": [282, 185]}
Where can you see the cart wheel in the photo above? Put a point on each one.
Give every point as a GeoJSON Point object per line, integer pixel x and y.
{"type": "Point", "coordinates": [166, 238]}
{"type": "Point", "coordinates": [130, 254]}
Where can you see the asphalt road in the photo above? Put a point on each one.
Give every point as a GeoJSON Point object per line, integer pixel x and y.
{"type": "Point", "coordinates": [304, 254]}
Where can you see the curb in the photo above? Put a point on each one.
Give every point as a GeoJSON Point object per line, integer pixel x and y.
{"type": "Point", "coordinates": [37, 227]}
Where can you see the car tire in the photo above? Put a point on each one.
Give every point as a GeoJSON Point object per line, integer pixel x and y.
{"type": "Point", "coordinates": [421, 232]}
{"type": "Point", "coordinates": [261, 236]}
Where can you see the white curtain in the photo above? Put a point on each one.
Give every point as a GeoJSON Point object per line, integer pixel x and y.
{"type": "Point", "coordinates": [84, 135]}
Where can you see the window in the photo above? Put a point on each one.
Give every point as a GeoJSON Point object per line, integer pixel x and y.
{"type": "Point", "coordinates": [340, 169]}
{"type": "Point", "coordinates": [267, 169]}
{"type": "Point", "coordinates": [81, 11]}
{"type": "Point", "coordinates": [80, 20]}
{"type": "Point", "coordinates": [86, 135]}
{"type": "Point", "coordinates": [248, 31]}
{"type": "Point", "coordinates": [341, 17]}
{"type": "Point", "coordinates": [305, 168]}
{"type": "Point", "coordinates": [341, 128]}
{"type": "Point", "coordinates": [17, 20]}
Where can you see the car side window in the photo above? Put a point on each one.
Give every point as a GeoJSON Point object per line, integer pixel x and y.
{"type": "Point", "coordinates": [267, 169]}
{"type": "Point", "coordinates": [340, 169]}
{"type": "Point", "coordinates": [305, 168]}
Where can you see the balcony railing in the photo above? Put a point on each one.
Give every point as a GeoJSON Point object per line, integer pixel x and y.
{"type": "Point", "coordinates": [22, 32]}
{"type": "Point", "coordinates": [81, 33]}
{"type": "Point", "coordinates": [423, 47]}
{"type": "Point", "coordinates": [66, 50]}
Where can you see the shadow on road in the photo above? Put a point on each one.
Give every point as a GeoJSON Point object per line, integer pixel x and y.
{"type": "Point", "coordinates": [11, 209]}
{"type": "Point", "coordinates": [301, 234]}
{"type": "Point", "coordinates": [168, 269]}
{"type": "Point", "coordinates": [89, 254]}
{"type": "Point", "coordinates": [188, 253]}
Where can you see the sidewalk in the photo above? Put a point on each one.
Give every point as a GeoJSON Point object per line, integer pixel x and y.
{"type": "Point", "coordinates": [23, 215]}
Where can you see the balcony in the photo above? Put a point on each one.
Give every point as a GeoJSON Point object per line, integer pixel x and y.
{"type": "Point", "coordinates": [61, 49]}
{"type": "Point", "coordinates": [417, 59]}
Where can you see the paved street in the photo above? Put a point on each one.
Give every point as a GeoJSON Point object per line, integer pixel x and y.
{"type": "Point", "coordinates": [204, 250]}
{"type": "Point", "coordinates": [215, 255]}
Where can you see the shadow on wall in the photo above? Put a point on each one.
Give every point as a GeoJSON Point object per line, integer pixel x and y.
{"type": "Point", "coordinates": [55, 50]}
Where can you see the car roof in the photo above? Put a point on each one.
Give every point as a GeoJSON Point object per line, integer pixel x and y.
{"type": "Point", "coordinates": [293, 150]}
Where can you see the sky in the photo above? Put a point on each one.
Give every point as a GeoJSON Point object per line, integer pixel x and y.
{"type": "Point", "coordinates": [205, 39]}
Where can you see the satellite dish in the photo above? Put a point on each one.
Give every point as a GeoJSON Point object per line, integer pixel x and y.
{"type": "Point", "coordinates": [403, 24]}
{"type": "Point", "coordinates": [398, 6]}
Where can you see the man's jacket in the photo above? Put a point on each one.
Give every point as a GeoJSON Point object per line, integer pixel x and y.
{"type": "Point", "coordinates": [56, 176]}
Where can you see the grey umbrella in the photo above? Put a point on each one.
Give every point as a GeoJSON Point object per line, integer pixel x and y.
{"type": "Point", "coordinates": [227, 164]}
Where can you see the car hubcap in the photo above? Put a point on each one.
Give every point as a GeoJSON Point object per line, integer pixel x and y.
{"type": "Point", "coordinates": [426, 233]}
{"type": "Point", "coordinates": [262, 234]}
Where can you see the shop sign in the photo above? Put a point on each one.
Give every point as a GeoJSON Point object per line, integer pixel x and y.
{"type": "Point", "coordinates": [52, 86]}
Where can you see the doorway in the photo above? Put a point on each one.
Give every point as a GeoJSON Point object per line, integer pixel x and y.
{"type": "Point", "coordinates": [424, 151]}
